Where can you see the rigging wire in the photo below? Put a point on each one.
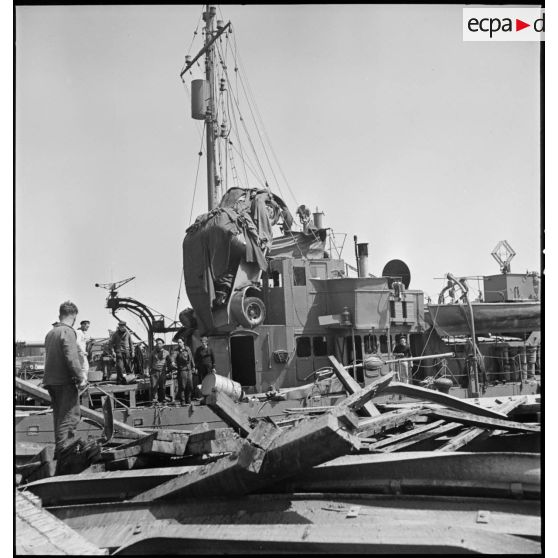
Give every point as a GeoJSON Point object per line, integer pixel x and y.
{"type": "Point", "coordinates": [265, 131]}
{"type": "Point", "coordinates": [243, 121]}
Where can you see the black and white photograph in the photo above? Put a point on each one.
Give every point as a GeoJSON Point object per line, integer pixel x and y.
{"type": "Point", "coordinates": [278, 274]}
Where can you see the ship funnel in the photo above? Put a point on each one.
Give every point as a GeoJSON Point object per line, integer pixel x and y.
{"type": "Point", "coordinates": [362, 251]}
{"type": "Point", "coordinates": [200, 98]}
{"type": "Point", "coordinates": [318, 219]}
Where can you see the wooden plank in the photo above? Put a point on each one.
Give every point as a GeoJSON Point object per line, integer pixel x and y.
{"type": "Point", "coordinates": [27, 449]}
{"type": "Point", "coordinates": [264, 434]}
{"type": "Point", "coordinates": [470, 434]}
{"type": "Point", "coordinates": [227, 476]}
{"type": "Point", "coordinates": [312, 442]}
{"type": "Point", "coordinates": [435, 433]}
{"type": "Point", "coordinates": [39, 532]}
{"type": "Point", "coordinates": [506, 407]}
{"type": "Point", "coordinates": [202, 435]}
{"type": "Point", "coordinates": [441, 398]}
{"type": "Point", "coordinates": [386, 421]}
{"type": "Point", "coordinates": [352, 386]}
{"type": "Point", "coordinates": [462, 439]}
{"type": "Point", "coordinates": [225, 445]}
{"type": "Point", "coordinates": [43, 395]}
{"type": "Point", "coordinates": [226, 409]}
{"type": "Point", "coordinates": [484, 422]}
{"type": "Point", "coordinates": [361, 397]}
{"type": "Point", "coordinates": [405, 435]}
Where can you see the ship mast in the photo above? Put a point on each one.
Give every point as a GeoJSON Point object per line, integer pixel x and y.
{"type": "Point", "coordinates": [209, 17]}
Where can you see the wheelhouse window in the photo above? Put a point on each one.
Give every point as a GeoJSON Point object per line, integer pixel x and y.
{"type": "Point", "coordinates": [303, 347]}
{"type": "Point", "coordinates": [320, 345]}
{"type": "Point", "coordinates": [299, 276]}
{"type": "Point", "coordinates": [383, 344]}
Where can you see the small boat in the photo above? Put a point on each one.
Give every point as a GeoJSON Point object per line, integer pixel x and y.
{"type": "Point", "coordinates": [509, 317]}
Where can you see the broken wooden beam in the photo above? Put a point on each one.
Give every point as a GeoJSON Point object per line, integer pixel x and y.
{"type": "Point", "coordinates": [449, 401]}
{"type": "Point", "coordinates": [43, 395]}
{"type": "Point", "coordinates": [405, 435]}
{"type": "Point", "coordinates": [230, 475]}
{"type": "Point", "coordinates": [360, 398]}
{"type": "Point", "coordinates": [159, 441]}
{"type": "Point", "coordinates": [386, 421]}
{"type": "Point", "coordinates": [433, 433]}
{"type": "Point", "coordinates": [484, 422]}
{"type": "Point", "coordinates": [462, 439]}
{"type": "Point", "coordinates": [474, 432]}
{"type": "Point", "coordinates": [287, 452]}
{"type": "Point", "coordinates": [352, 386]}
{"type": "Point", "coordinates": [227, 410]}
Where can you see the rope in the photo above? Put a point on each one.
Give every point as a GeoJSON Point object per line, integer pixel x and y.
{"type": "Point", "coordinates": [200, 153]}
{"type": "Point", "coordinates": [178, 297]}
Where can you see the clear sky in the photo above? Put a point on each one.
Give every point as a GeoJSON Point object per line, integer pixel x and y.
{"type": "Point", "coordinates": [421, 144]}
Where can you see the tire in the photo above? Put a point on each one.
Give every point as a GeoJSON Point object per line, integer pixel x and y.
{"type": "Point", "coordinates": [253, 312]}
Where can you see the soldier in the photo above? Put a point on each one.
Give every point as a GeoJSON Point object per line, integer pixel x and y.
{"type": "Point", "coordinates": [205, 359]}
{"type": "Point", "coordinates": [63, 375]}
{"type": "Point", "coordinates": [160, 363]}
{"type": "Point", "coordinates": [122, 349]}
{"type": "Point", "coordinates": [184, 364]}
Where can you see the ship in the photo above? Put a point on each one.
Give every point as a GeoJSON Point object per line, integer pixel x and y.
{"type": "Point", "coordinates": [271, 290]}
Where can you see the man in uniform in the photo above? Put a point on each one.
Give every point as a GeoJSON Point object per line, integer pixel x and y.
{"type": "Point", "coordinates": [160, 363]}
{"type": "Point", "coordinates": [83, 338]}
{"type": "Point", "coordinates": [184, 364]}
{"type": "Point", "coordinates": [204, 359]}
{"type": "Point", "coordinates": [402, 350]}
{"type": "Point", "coordinates": [122, 349]}
{"type": "Point", "coordinates": [63, 375]}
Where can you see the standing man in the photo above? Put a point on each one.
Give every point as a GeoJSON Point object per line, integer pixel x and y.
{"type": "Point", "coordinates": [402, 350]}
{"type": "Point", "coordinates": [83, 338]}
{"type": "Point", "coordinates": [63, 375]}
{"type": "Point", "coordinates": [204, 358]}
{"type": "Point", "coordinates": [184, 364]}
{"type": "Point", "coordinates": [122, 349]}
{"type": "Point", "coordinates": [160, 362]}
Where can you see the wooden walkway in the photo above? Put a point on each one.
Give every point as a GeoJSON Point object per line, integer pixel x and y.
{"type": "Point", "coordinates": [39, 532]}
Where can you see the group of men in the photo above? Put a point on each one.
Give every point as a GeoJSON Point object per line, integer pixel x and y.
{"type": "Point", "coordinates": [190, 370]}
{"type": "Point", "coordinates": [67, 364]}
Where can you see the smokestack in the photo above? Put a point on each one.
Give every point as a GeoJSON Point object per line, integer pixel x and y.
{"type": "Point", "coordinates": [362, 251]}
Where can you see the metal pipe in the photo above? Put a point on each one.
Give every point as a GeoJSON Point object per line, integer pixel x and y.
{"type": "Point", "coordinates": [415, 359]}
{"type": "Point", "coordinates": [362, 252]}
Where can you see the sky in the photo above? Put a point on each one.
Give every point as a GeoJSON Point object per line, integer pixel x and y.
{"type": "Point", "coordinates": [423, 145]}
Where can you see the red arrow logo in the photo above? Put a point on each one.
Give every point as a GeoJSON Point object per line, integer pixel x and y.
{"type": "Point", "coordinates": [519, 25]}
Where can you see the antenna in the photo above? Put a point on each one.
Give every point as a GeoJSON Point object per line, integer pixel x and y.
{"type": "Point", "coordinates": [113, 286]}
{"type": "Point", "coordinates": [503, 253]}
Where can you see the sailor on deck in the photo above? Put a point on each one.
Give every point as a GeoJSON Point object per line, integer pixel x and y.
{"type": "Point", "coordinates": [63, 375]}
{"type": "Point", "coordinates": [83, 338]}
{"type": "Point", "coordinates": [402, 350]}
{"type": "Point", "coordinates": [204, 358]}
{"type": "Point", "coordinates": [123, 349]}
{"type": "Point", "coordinates": [184, 364]}
{"type": "Point", "coordinates": [160, 363]}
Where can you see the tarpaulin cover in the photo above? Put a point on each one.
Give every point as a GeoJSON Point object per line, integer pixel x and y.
{"type": "Point", "coordinates": [240, 227]}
